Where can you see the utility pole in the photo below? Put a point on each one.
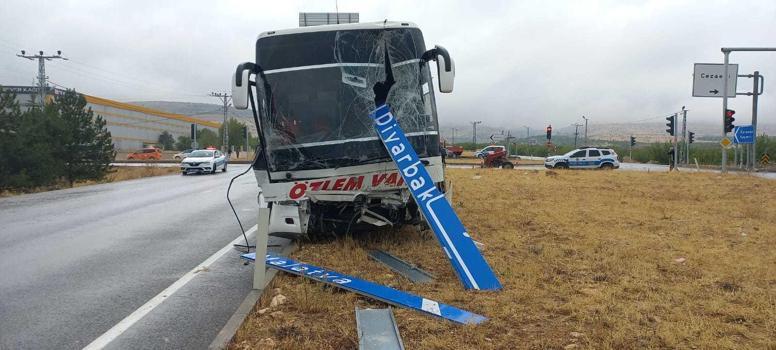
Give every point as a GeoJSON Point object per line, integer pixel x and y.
{"type": "Point", "coordinates": [685, 146]}
{"type": "Point", "coordinates": [42, 84]}
{"type": "Point", "coordinates": [509, 145]}
{"type": "Point", "coordinates": [225, 98]}
{"type": "Point", "coordinates": [586, 119]}
{"type": "Point", "coordinates": [474, 132]}
{"type": "Point", "coordinates": [454, 130]}
{"type": "Point", "coordinates": [576, 133]}
{"type": "Point", "coordinates": [247, 143]}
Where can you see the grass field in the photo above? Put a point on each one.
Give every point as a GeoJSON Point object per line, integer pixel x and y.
{"type": "Point", "coordinates": [588, 259]}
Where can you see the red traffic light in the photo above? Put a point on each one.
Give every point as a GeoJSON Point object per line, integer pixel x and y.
{"type": "Point", "coordinates": [729, 113]}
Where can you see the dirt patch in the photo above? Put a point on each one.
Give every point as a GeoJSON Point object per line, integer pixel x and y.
{"type": "Point", "coordinates": [588, 259]}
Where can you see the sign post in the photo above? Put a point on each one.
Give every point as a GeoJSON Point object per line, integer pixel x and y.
{"type": "Point", "coordinates": [726, 53]}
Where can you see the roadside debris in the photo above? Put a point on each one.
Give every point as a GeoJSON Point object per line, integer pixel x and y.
{"type": "Point", "coordinates": [370, 289]}
{"type": "Point", "coordinates": [408, 270]}
{"type": "Point", "coordinates": [680, 260]}
{"type": "Point", "coordinates": [277, 300]}
{"type": "Point", "coordinates": [377, 329]}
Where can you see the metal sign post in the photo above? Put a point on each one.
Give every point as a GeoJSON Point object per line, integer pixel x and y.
{"type": "Point", "coordinates": [726, 52]}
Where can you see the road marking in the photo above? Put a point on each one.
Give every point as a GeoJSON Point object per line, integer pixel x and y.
{"type": "Point", "coordinates": [138, 314]}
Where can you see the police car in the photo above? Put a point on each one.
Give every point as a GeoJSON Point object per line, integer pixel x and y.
{"type": "Point", "coordinates": [584, 158]}
{"type": "Point", "coordinates": [204, 161]}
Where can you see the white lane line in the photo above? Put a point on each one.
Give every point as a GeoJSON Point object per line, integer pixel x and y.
{"type": "Point", "coordinates": [138, 314]}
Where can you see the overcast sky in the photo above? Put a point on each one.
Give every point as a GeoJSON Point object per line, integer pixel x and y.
{"type": "Point", "coordinates": [517, 62]}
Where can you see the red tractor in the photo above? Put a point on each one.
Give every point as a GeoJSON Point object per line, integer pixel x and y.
{"type": "Point", "coordinates": [497, 159]}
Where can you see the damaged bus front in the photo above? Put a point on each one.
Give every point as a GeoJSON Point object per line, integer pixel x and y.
{"type": "Point", "coordinates": [320, 166]}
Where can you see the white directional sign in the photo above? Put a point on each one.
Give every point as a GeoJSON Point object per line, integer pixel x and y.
{"type": "Point", "coordinates": [707, 80]}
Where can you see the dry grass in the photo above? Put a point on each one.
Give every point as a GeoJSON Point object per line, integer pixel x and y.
{"type": "Point", "coordinates": [588, 259]}
{"type": "Point", "coordinates": [116, 174]}
{"type": "Point", "coordinates": [131, 173]}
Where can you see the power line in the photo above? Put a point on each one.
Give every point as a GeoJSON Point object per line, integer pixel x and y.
{"type": "Point", "coordinates": [42, 58]}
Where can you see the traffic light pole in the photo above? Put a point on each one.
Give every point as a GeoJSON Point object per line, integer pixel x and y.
{"type": "Point", "coordinates": [723, 167]}
{"type": "Point", "coordinates": [755, 93]}
{"type": "Point", "coordinates": [726, 52]}
{"type": "Point", "coordinates": [686, 144]}
{"type": "Point", "coordinates": [676, 145]}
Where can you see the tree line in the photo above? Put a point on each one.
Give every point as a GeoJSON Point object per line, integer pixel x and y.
{"type": "Point", "coordinates": [59, 144]}
{"type": "Point", "coordinates": [207, 137]}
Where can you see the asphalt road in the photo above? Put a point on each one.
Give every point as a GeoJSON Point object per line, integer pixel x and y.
{"type": "Point", "coordinates": [75, 262]}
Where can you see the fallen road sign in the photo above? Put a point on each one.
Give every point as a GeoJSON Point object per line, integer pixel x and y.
{"type": "Point", "coordinates": [471, 267]}
{"type": "Point", "coordinates": [370, 289]}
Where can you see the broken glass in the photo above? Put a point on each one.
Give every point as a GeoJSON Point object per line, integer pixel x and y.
{"type": "Point", "coordinates": [316, 95]}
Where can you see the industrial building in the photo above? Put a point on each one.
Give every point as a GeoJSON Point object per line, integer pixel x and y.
{"type": "Point", "coordinates": [131, 126]}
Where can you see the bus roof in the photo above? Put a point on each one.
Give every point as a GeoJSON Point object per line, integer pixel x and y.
{"type": "Point", "coordinates": [336, 27]}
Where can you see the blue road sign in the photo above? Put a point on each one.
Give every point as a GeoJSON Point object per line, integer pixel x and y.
{"type": "Point", "coordinates": [371, 289]}
{"type": "Point", "coordinates": [471, 267]}
{"type": "Point", "coordinates": [743, 134]}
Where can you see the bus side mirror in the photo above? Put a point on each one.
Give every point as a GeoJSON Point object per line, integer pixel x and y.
{"type": "Point", "coordinates": [445, 67]}
{"type": "Point", "coordinates": [446, 77]}
{"type": "Point", "coordinates": [240, 91]}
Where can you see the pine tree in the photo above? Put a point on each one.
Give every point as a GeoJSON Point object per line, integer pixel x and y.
{"type": "Point", "coordinates": [86, 146]}
{"type": "Point", "coordinates": [166, 140]}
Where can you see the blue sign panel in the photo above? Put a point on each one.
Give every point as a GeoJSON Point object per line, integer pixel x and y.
{"type": "Point", "coordinates": [471, 267]}
{"type": "Point", "coordinates": [370, 289]}
{"type": "Point", "coordinates": [743, 134]}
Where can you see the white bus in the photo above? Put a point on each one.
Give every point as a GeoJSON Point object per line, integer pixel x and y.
{"type": "Point", "coordinates": [321, 167]}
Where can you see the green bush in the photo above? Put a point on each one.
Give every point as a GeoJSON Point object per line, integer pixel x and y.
{"type": "Point", "coordinates": [63, 142]}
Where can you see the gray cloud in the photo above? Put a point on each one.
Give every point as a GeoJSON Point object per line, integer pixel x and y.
{"type": "Point", "coordinates": [518, 63]}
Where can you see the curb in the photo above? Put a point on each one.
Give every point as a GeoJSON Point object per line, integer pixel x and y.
{"type": "Point", "coordinates": [225, 335]}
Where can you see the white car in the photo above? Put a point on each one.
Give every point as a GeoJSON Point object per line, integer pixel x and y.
{"type": "Point", "coordinates": [584, 158]}
{"type": "Point", "coordinates": [183, 154]}
{"type": "Point", "coordinates": [204, 161]}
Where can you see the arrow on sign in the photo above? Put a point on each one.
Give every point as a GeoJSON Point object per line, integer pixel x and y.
{"type": "Point", "coordinates": [715, 91]}
{"type": "Point", "coordinates": [491, 138]}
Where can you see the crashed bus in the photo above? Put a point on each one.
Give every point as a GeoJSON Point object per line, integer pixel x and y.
{"type": "Point", "coordinates": [320, 166]}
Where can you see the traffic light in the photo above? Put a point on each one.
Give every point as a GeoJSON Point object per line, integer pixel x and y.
{"type": "Point", "coordinates": [549, 132]}
{"type": "Point", "coordinates": [633, 141]}
{"type": "Point", "coordinates": [671, 124]}
{"type": "Point", "coordinates": [691, 136]}
{"type": "Point", "coordinates": [729, 120]}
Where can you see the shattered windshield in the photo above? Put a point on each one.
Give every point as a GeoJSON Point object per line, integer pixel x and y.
{"type": "Point", "coordinates": [316, 95]}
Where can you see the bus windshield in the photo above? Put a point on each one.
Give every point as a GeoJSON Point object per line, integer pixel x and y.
{"type": "Point", "coordinates": [315, 96]}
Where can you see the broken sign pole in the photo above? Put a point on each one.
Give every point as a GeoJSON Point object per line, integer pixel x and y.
{"type": "Point", "coordinates": [262, 237]}
{"type": "Point", "coordinates": [472, 269]}
{"type": "Point", "coordinates": [377, 330]}
{"type": "Point", "coordinates": [370, 289]}
{"type": "Point", "coordinates": [410, 271]}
